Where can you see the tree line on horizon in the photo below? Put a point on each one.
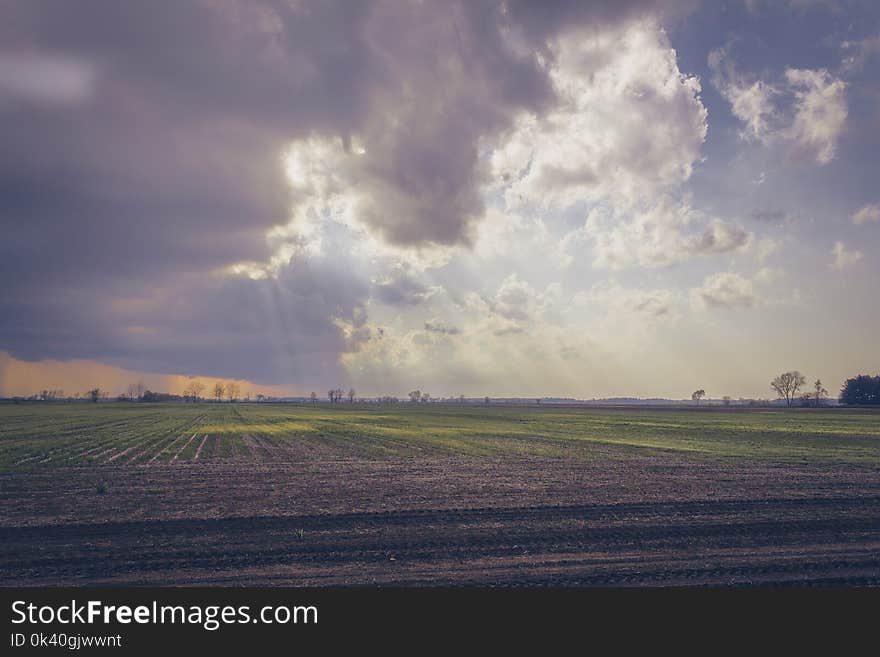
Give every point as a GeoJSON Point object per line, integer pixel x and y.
{"type": "Point", "coordinates": [860, 390]}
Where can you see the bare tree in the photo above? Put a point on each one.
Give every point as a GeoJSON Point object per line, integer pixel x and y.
{"type": "Point", "coordinates": [193, 390]}
{"type": "Point", "coordinates": [415, 396]}
{"type": "Point", "coordinates": [95, 394]}
{"type": "Point", "coordinates": [314, 398]}
{"type": "Point", "coordinates": [787, 385]}
{"type": "Point", "coordinates": [219, 389]}
{"type": "Point", "coordinates": [819, 393]}
{"type": "Point", "coordinates": [425, 397]}
{"type": "Point", "coordinates": [351, 394]}
{"type": "Point", "coordinates": [132, 391]}
{"type": "Point", "coordinates": [698, 395]}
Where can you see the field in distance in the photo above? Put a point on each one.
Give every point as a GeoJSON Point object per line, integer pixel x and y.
{"type": "Point", "coordinates": [437, 494]}
{"type": "Point", "coordinates": [61, 435]}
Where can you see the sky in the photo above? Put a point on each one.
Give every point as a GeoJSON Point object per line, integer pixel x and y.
{"type": "Point", "coordinates": [504, 198]}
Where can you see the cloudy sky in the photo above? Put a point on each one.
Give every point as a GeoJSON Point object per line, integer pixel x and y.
{"type": "Point", "coordinates": [587, 199]}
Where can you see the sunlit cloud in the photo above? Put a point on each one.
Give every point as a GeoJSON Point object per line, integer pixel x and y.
{"type": "Point", "coordinates": [866, 214]}
{"type": "Point", "coordinates": [843, 256]}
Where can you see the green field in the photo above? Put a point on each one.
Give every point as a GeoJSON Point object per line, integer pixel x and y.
{"type": "Point", "coordinates": [302, 495]}
{"type": "Point", "coordinates": [58, 435]}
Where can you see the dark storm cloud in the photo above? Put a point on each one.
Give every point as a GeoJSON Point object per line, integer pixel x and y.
{"type": "Point", "coordinates": [142, 147]}
{"type": "Point", "coordinates": [769, 216]}
{"type": "Point", "coordinates": [278, 330]}
{"type": "Point", "coordinates": [452, 81]}
{"type": "Point", "coordinates": [441, 328]}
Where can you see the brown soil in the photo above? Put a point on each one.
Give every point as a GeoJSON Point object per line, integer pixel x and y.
{"type": "Point", "coordinates": [653, 520]}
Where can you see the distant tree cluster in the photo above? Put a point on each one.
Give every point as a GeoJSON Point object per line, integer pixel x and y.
{"type": "Point", "coordinates": [335, 396]}
{"type": "Point", "coordinates": [152, 397]}
{"type": "Point", "coordinates": [230, 390]}
{"type": "Point", "coordinates": [861, 390]}
{"type": "Point", "coordinates": [135, 391]}
{"type": "Point", "coordinates": [191, 393]}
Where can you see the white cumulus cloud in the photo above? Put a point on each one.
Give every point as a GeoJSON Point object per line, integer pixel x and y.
{"type": "Point", "coordinates": [820, 111]}
{"type": "Point", "coordinates": [629, 122]}
{"type": "Point", "coordinates": [658, 235]}
{"type": "Point", "coordinates": [725, 290]}
{"type": "Point", "coordinates": [804, 107]}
